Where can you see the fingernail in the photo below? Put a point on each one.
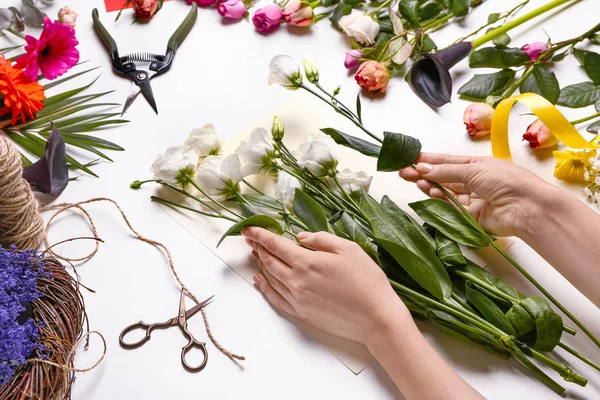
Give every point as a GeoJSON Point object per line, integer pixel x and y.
{"type": "Point", "coordinates": [246, 232]}
{"type": "Point", "coordinates": [256, 279]}
{"type": "Point", "coordinates": [424, 168]}
{"type": "Point", "coordinates": [303, 235]}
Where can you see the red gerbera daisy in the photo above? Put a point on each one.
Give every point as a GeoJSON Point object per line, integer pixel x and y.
{"type": "Point", "coordinates": [54, 53]}
{"type": "Point", "coordinates": [21, 97]}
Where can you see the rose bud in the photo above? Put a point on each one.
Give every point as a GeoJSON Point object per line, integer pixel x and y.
{"type": "Point", "coordinates": [539, 136]}
{"type": "Point", "coordinates": [535, 50]}
{"type": "Point", "coordinates": [352, 60]}
{"type": "Point", "coordinates": [202, 3]}
{"type": "Point", "coordinates": [67, 16]}
{"type": "Point", "coordinates": [233, 9]}
{"type": "Point", "coordinates": [267, 19]}
{"type": "Point", "coordinates": [144, 9]}
{"type": "Point", "coordinates": [478, 119]}
{"type": "Point", "coordinates": [372, 76]}
{"type": "Point", "coordinates": [297, 13]}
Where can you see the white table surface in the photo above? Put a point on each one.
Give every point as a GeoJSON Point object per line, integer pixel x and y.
{"type": "Point", "coordinates": [219, 76]}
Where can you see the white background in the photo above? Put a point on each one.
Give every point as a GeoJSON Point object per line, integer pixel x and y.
{"type": "Point", "coordinates": [219, 76]}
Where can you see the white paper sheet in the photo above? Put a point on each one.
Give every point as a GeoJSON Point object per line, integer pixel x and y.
{"type": "Point", "coordinates": [234, 252]}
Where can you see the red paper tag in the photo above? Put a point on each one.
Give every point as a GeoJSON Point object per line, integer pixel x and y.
{"type": "Point", "coordinates": [116, 5]}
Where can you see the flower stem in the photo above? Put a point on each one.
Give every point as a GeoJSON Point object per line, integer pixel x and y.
{"type": "Point", "coordinates": [252, 187]}
{"type": "Point", "coordinates": [18, 34]}
{"type": "Point", "coordinates": [335, 99]}
{"type": "Point", "coordinates": [171, 203]}
{"type": "Point", "coordinates": [578, 355]}
{"type": "Point", "coordinates": [547, 294]}
{"type": "Point", "coordinates": [584, 119]}
{"type": "Point", "coordinates": [336, 108]}
{"type": "Point", "coordinates": [516, 22]}
{"type": "Point", "coordinates": [213, 200]}
{"type": "Point", "coordinates": [563, 370]}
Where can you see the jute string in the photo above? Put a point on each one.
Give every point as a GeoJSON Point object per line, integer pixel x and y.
{"type": "Point", "coordinates": [66, 206]}
{"type": "Point", "coordinates": [21, 224]}
{"type": "Point", "coordinates": [20, 221]}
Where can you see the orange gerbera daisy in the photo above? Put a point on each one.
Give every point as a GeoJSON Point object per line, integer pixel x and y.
{"type": "Point", "coordinates": [21, 98]}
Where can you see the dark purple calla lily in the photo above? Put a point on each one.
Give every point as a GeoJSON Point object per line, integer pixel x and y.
{"type": "Point", "coordinates": [50, 174]}
{"type": "Point", "coordinates": [430, 76]}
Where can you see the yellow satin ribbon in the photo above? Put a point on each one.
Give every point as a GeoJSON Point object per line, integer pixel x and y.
{"type": "Point", "coordinates": [545, 111]}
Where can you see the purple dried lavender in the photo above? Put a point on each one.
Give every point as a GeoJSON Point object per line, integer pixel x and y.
{"type": "Point", "coordinates": [19, 333]}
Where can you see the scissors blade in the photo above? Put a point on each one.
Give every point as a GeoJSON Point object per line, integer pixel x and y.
{"type": "Point", "coordinates": [130, 99]}
{"type": "Point", "coordinates": [197, 307]}
{"type": "Point", "coordinates": [146, 90]}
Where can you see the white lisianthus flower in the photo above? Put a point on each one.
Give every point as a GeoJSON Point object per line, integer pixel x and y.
{"type": "Point", "coordinates": [205, 140]}
{"type": "Point", "coordinates": [176, 166]}
{"type": "Point", "coordinates": [285, 189]}
{"type": "Point", "coordinates": [317, 154]}
{"type": "Point", "coordinates": [360, 27]}
{"type": "Point", "coordinates": [219, 177]}
{"type": "Point", "coordinates": [257, 152]}
{"type": "Point", "coordinates": [284, 71]}
{"type": "Point", "coordinates": [352, 181]}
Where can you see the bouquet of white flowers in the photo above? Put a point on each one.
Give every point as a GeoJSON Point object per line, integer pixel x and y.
{"type": "Point", "coordinates": [423, 262]}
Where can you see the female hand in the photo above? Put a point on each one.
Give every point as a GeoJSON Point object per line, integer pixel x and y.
{"type": "Point", "coordinates": [337, 288]}
{"type": "Point", "coordinates": [501, 196]}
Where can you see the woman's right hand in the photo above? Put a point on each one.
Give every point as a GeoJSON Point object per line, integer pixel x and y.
{"type": "Point", "coordinates": [501, 196]}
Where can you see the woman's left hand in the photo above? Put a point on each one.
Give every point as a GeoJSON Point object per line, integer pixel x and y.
{"type": "Point", "coordinates": [337, 287]}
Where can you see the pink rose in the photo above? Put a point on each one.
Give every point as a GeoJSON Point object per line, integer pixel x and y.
{"type": "Point", "coordinates": [298, 14]}
{"type": "Point", "coordinates": [233, 9]}
{"type": "Point", "coordinates": [535, 50]}
{"type": "Point", "coordinates": [202, 3]}
{"type": "Point", "coordinates": [372, 76]}
{"type": "Point", "coordinates": [352, 60]}
{"type": "Point", "coordinates": [478, 119]}
{"type": "Point", "coordinates": [267, 19]}
{"type": "Point", "coordinates": [67, 16]}
{"type": "Point", "coordinates": [539, 136]}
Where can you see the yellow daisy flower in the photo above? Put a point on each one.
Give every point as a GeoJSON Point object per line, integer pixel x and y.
{"type": "Point", "coordinates": [570, 165]}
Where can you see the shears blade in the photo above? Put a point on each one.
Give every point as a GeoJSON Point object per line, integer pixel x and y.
{"type": "Point", "coordinates": [146, 90]}
{"type": "Point", "coordinates": [197, 307]}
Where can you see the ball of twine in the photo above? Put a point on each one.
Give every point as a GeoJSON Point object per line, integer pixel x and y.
{"type": "Point", "coordinates": [20, 221]}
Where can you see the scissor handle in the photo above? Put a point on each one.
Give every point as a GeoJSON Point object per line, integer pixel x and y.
{"type": "Point", "coordinates": [103, 33]}
{"type": "Point", "coordinates": [193, 343]}
{"type": "Point", "coordinates": [133, 327]}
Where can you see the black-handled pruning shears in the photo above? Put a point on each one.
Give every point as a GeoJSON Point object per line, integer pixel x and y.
{"type": "Point", "coordinates": [129, 65]}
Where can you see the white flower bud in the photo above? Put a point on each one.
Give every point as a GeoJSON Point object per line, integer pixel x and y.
{"type": "Point", "coordinates": [284, 71]}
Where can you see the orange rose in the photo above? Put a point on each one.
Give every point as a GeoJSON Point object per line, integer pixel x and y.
{"type": "Point", "coordinates": [478, 119]}
{"type": "Point", "coordinates": [373, 76]}
{"type": "Point", "coordinates": [539, 136]}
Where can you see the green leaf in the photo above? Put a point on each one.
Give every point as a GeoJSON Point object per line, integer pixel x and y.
{"type": "Point", "coordinates": [397, 151]}
{"type": "Point", "coordinates": [460, 7]}
{"type": "Point", "coordinates": [427, 44]}
{"type": "Point", "coordinates": [484, 85]}
{"type": "Point", "coordinates": [451, 222]}
{"type": "Point", "coordinates": [579, 95]}
{"type": "Point", "coordinates": [358, 236]}
{"type": "Point", "coordinates": [395, 212]}
{"type": "Point", "coordinates": [41, 121]}
{"type": "Point", "coordinates": [409, 9]}
{"type": "Point", "coordinates": [264, 202]}
{"type": "Point", "coordinates": [402, 240]}
{"type": "Point", "coordinates": [591, 65]}
{"type": "Point", "coordinates": [490, 311]}
{"type": "Point", "coordinates": [358, 108]}
{"type": "Point", "coordinates": [75, 101]}
{"type": "Point", "coordinates": [91, 140]}
{"type": "Point", "coordinates": [338, 12]}
{"type": "Point", "coordinates": [58, 98]}
{"type": "Point", "coordinates": [493, 17]}
{"type": "Point", "coordinates": [548, 324]}
{"type": "Point", "coordinates": [448, 251]}
{"type": "Point", "coordinates": [92, 126]}
{"type": "Point", "coordinates": [543, 82]}
{"type": "Point", "coordinates": [519, 318]}
{"type": "Point", "coordinates": [25, 162]}
{"type": "Point", "coordinates": [433, 279]}
{"type": "Point", "coordinates": [579, 55]}
{"type": "Point", "coordinates": [429, 10]}
{"type": "Point", "coordinates": [594, 128]}
{"type": "Point", "coordinates": [458, 330]}
{"type": "Point", "coordinates": [501, 40]}
{"type": "Point", "coordinates": [493, 57]}
{"type": "Point", "coordinates": [360, 145]}
{"type": "Point", "coordinates": [310, 212]}
{"type": "Point", "coordinates": [261, 221]}
{"type": "Point", "coordinates": [68, 78]}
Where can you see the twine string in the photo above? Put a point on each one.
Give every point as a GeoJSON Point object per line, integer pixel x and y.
{"type": "Point", "coordinates": [62, 207]}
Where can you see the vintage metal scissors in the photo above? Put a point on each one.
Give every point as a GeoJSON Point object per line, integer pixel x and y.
{"type": "Point", "coordinates": [181, 321]}
{"type": "Point", "coordinates": [131, 65]}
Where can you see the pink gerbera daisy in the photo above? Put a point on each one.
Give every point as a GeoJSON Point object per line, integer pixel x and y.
{"type": "Point", "coordinates": [53, 54]}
